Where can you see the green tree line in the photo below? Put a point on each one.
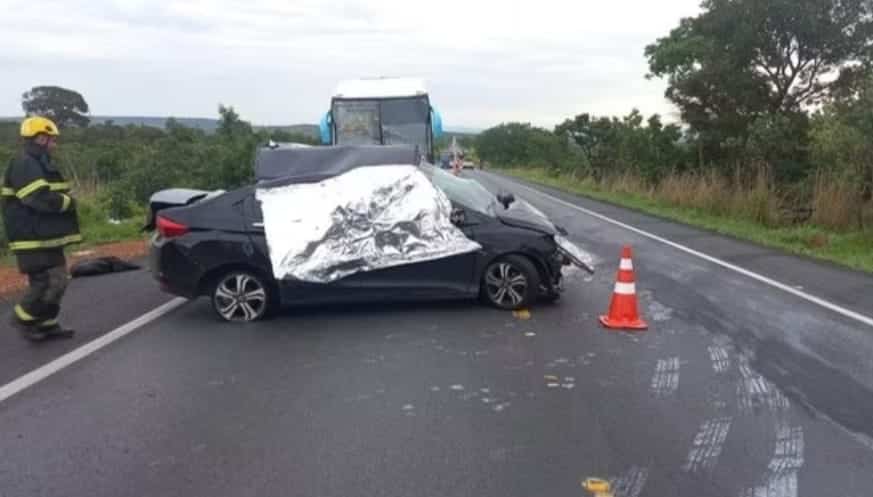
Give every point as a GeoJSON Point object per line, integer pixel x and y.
{"type": "Point", "coordinates": [779, 86]}
{"type": "Point", "coordinates": [115, 169]}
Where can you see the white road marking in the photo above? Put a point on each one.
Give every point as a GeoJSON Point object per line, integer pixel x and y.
{"type": "Point", "coordinates": [721, 361]}
{"type": "Point", "coordinates": [665, 381]}
{"type": "Point", "coordinates": [659, 311]}
{"type": "Point", "coordinates": [727, 265]}
{"type": "Point", "coordinates": [631, 483]}
{"type": "Point", "coordinates": [43, 372]}
{"type": "Point", "coordinates": [755, 392]}
{"type": "Point", "coordinates": [781, 479]}
{"type": "Point", "coordinates": [707, 445]}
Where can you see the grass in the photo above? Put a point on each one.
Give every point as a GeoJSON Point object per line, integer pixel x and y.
{"type": "Point", "coordinates": [853, 249]}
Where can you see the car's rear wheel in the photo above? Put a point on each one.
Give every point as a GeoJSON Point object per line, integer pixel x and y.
{"type": "Point", "coordinates": [510, 283]}
{"type": "Point", "coordinates": [241, 296]}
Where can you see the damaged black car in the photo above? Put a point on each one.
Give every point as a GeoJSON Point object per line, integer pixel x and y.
{"type": "Point", "coordinates": [354, 224]}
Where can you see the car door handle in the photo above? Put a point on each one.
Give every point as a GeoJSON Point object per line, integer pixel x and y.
{"type": "Point", "coordinates": [258, 225]}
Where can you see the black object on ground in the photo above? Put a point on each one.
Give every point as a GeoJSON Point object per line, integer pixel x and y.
{"type": "Point", "coordinates": [101, 265]}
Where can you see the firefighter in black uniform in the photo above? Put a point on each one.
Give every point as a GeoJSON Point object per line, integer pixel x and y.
{"type": "Point", "coordinates": [40, 219]}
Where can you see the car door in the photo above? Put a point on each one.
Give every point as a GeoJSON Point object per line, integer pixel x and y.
{"type": "Point", "coordinates": [440, 278]}
{"type": "Point", "coordinates": [290, 292]}
{"type": "Point", "coordinates": [355, 288]}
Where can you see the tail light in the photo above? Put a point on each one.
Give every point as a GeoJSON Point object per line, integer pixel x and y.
{"type": "Point", "coordinates": [169, 228]}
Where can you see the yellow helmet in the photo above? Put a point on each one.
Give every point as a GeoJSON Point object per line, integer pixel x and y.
{"type": "Point", "coordinates": [35, 125]}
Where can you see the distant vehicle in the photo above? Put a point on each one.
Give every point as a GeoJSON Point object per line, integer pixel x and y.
{"type": "Point", "coordinates": [468, 165]}
{"type": "Point", "coordinates": [382, 111]}
{"type": "Point", "coordinates": [214, 244]}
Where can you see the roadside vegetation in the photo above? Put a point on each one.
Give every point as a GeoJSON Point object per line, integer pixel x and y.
{"type": "Point", "coordinates": [115, 169]}
{"type": "Point", "coordinates": [774, 141]}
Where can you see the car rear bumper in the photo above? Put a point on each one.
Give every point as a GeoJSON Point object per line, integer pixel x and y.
{"type": "Point", "coordinates": [173, 272]}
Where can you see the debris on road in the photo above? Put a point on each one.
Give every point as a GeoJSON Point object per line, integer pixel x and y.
{"type": "Point", "coordinates": [12, 281]}
{"type": "Point", "coordinates": [100, 266]}
{"type": "Point", "coordinates": [598, 487]}
{"type": "Point", "coordinates": [522, 314]}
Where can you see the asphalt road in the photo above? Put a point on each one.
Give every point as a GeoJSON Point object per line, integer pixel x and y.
{"type": "Point", "coordinates": [738, 388]}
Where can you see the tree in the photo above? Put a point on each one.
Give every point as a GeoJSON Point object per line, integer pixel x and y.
{"type": "Point", "coordinates": [520, 144]}
{"type": "Point", "coordinates": [741, 59]}
{"type": "Point", "coordinates": [230, 124]}
{"type": "Point", "coordinates": [65, 107]}
{"type": "Point", "coordinates": [617, 145]}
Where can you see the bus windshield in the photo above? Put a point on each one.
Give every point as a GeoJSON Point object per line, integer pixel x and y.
{"type": "Point", "coordinates": [398, 121]}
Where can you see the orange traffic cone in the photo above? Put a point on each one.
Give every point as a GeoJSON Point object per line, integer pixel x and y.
{"type": "Point", "coordinates": [623, 314]}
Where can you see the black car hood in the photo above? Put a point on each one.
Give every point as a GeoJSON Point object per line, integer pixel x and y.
{"type": "Point", "coordinates": [521, 214]}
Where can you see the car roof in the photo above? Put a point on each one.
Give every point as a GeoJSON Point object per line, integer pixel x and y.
{"type": "Point", "coordinates": [313, 164]}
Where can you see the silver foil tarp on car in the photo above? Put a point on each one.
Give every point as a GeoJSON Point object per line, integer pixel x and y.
{"type": "Point", "coordinates": [365, 219]}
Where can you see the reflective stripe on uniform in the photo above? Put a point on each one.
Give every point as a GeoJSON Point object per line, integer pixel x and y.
{"type": "Point", "coordinates": [22, 314]}
{"type": "Point", "coordinates": [32, 187]}
{"type": "Point", "coordinates": [59, 186]}
{"type": "Point", "coordinates": [67, 202]}
{"type": "Point", "coordinates": [48, 323]}
{"type": "Point", "coordinates": [52, 243]}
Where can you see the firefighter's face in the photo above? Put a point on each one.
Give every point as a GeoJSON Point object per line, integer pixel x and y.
{"type": "Point", "coordinates": [49, 142]}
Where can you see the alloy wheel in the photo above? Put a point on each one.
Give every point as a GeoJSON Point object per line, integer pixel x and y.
{"type": "Point", "coordinates": [506, 285]}
{"type": "Point", "coordinates": [240, 297]}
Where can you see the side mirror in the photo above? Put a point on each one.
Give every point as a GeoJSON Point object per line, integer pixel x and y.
{"type": "Point", "coordinates": [436, 123]}
{"type": "Point", "coordinates": [506, 199]}
{"type": "Point", "coordinates": [325, 129]}
{"type": "Point", "coordinates": [458, 216]}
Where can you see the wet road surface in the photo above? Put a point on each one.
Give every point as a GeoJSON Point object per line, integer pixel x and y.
{"type": "Point", "coordinates": [737, 389]}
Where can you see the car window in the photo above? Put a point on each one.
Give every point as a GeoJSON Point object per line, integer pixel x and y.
{"type": "Point", "coordinates": [466, 192]}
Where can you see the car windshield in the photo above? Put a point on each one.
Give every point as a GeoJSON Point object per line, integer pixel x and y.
{"type": "Point", "coordinates": [388, 122]}
{"type": "Point", "coordinates": [466, 192]}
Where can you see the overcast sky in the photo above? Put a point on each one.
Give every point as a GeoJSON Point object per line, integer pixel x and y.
{"type": "Point", "coordinates": [278, 61]}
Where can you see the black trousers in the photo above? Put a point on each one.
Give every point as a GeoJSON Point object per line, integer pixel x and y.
{"type": "Point", "coordinates": [42, 302]}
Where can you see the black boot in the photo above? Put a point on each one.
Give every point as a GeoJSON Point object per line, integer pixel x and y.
{"type": "Point", "coordinates": [57, 331]}
{"type": "Point", "coordinates": [29, 331]}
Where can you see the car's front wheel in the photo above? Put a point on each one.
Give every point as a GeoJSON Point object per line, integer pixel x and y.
{"type": "Point", "coordinates": [241, 296]}
{"type": "Point", "coordinates": [510, 283]}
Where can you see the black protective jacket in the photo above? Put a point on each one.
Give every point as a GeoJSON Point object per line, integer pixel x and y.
{"type": "Point", "coordinates": [38, 212]}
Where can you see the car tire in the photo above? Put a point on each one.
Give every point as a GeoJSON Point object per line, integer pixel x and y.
{"type": "Point", "coordinates": [241, 296]}
{"type": "Point", "coordinates": [510, 283]}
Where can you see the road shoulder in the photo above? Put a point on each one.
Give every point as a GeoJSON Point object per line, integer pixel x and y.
{"type": "Point", "coordinates": [844, 287]}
